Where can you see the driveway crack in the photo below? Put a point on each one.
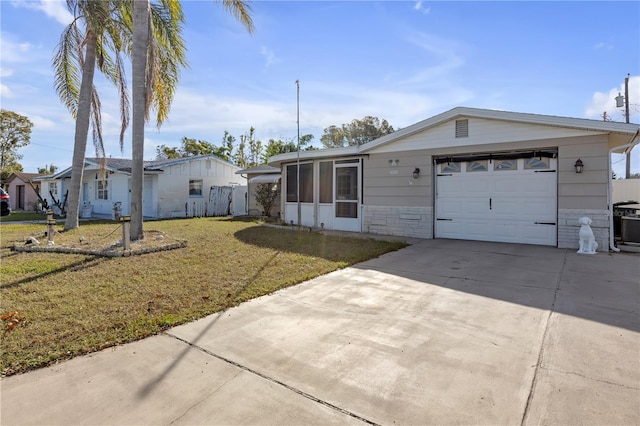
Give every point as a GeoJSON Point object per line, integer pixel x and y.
{"type": "Point", "coordinates": [209, 395]}
{"type": "Point", "coordinates": [591, 378]}
{"type": "Point", "coordinates": [272, 380]}
{"type": "Point", "coordinates": [534, 381]}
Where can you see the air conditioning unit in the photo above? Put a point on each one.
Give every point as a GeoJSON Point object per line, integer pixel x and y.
{"type": "Point", "coordinates": [630, 231]}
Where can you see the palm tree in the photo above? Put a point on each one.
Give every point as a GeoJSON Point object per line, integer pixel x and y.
{"type": "Point", "coordinates": [155, 67]}
{"type": "Point", "coordinates": [97, 36]}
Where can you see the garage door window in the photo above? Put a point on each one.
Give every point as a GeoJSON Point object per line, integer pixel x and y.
{"type": "Point", "coordinates": [450, 168]}
{"type": "Point", "coordinates": [477, 166]}
{"type": "Point", "coordinates": [501, 165]}
{"type": "Point", "coordinates": [536, 163]}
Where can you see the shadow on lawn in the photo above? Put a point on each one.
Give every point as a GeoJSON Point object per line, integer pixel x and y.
{"type": "Point", "coordinates": [310, 243]}
{"type": "Point", "coordinates": [76, 266]}
{"type": "Point", "coordinates": [233, 300]}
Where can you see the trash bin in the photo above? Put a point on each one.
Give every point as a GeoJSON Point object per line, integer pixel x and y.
{"type": "Point", "coordinates": [117, 210]}
{"type": "Point", "coordinates": [86, 211]}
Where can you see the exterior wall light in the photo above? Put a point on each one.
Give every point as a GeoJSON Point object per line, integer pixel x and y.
{"type": "Point", "coordinates": [579, 165]}
{"type": "Point", "coordinates": [416, 173]}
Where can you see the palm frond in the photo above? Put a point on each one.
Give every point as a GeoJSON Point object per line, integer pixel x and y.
{"type": "Point", "coordinates": [241, 10]}
{"type": "Point", "coordinates": [96, 123]}
{"type": "Point", "coordinates": [67, 64]}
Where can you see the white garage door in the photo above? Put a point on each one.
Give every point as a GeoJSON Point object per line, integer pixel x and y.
{"type": "Point", "coordinates": [505, 200]}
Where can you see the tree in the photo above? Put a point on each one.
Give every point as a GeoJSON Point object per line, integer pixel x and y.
{"type": "Point", "coordinates": [278, 146]}
{"type": "Point", "coordinates": [47, 169]}
{"type": "Point", "coordinates": [15, 133]}
{"type": "Point", "coordinates": [266, 195]}
{"type": "Point", "coordinates": [158, 55]}
{"type": "Point", "coordinates": [96, 37]}
{"type": "Point", "coordinates": [155, 67]}
{"type": "Point", "coordinates": [191, 148]}
{"type": "Point", "coordinates": [357, 132]}
{"type": "Point", "coordinates": [164, 152]}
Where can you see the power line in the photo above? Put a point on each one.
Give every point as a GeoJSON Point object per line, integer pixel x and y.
{"type": "Point", "coordinates": [49, 146]}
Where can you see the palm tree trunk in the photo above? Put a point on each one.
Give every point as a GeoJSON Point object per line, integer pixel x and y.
{"type": "Point", "coordinates": [138, 75]}
{"type": "Point", "coordinates": [82, 130]}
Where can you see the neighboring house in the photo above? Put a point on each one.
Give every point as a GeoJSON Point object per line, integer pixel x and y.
{"type": "Point", "coordinates": [467, 173]}
{"type": "Point", "coordinates": [262, 174]}
{"type": "Point", "coordinates": [626, 190]}
{"type": "Point", "coordinates": [22, 195]}
{"type": "Point", "coordinates": [189, 186]}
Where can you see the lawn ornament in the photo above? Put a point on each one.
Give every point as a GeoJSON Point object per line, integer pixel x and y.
{"type": "Point", "coordinates": [587, 243]}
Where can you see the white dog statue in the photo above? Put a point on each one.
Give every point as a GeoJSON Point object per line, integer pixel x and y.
{"type": "Point", "coordinates": [588, 244]}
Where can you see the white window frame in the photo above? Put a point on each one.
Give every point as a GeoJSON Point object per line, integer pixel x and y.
{"type": "Point", "coordinates": [102, 190]}
{"type": "Point", "coordinates": [193, 185]}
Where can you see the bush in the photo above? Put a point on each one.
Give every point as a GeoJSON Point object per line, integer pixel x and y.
{"type": "Point", "coordinates": [266, 195]}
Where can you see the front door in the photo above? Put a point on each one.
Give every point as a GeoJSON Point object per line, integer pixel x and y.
{"type": "Point", "coordinates": [20, 197]}
{"type": "Point", "coordinates": [347, 197]}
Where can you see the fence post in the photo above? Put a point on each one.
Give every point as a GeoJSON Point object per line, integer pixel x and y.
{"type": "Point", "coordinates": [126, 232]}
{"type": "Point", "coordinates": [50, 230]}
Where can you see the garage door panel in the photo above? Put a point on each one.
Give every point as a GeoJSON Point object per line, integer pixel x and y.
{"type": "Point", "coordinates": [518, 206]}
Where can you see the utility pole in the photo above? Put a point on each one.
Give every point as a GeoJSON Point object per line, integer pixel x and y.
{"type": "Point", "coordinates": [626, 115]}
{"type": "Point", "coordinates": [619, 100]}
{"type": "Point", "coordinates": [298, 162]}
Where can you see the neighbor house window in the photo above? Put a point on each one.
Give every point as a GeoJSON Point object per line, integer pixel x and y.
{"type": "Point", "coordinates": [102, 190]}
{"type": "Point", "coordinates": [195, 188]}
{"type": "Point", "coordinates": [306, 183]}
{"type": "Point", "coordinates": [53, 189]}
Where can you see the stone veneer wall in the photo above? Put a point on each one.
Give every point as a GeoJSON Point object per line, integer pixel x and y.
{"type": "Point", "coordinates": [568, 227]}
{"type": "Point", "coordinates": [402, 221]}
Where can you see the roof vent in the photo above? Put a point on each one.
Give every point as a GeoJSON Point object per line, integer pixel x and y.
{"type": "Point", "coordinates": [462, 128]}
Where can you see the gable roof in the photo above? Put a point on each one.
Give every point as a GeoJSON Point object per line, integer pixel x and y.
{"type": "Point", "coordinates": [259, 169]}
{"type": "Point", "coordinates": [514, 117]}
{"type": "Point", "coordinates": [123, 165]}
{"type": "Point", "coordinates": [25, 177]}
{"type": "Point", "coordinates": [622, 130]}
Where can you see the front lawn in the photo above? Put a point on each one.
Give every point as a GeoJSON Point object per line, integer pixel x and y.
{"type": "Point", "coordinates": [16, 216]}
{"type": "Point", "coordinates": [57, 306]}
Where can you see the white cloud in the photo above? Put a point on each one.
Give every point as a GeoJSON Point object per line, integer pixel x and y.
{"type": "Point", "coordinates": [55, 9]}
{"type": "Point", "coordinates": [270, 57]}
{"type": "Point", "coordinates": [42, 123]}
{"type": "Point", "coordinates": [605, 101]}
{"type": "Point", "coordinates": [14, 52]}
{"type": "Point", "coordinates": [5, 92]}
{"type": "Point", "coordinates": [421, 8]}
{"type": "Point", "coordinates": [5, 72]}
{"type": "Point", "coordinates": [439, 51]}
{"type": "Point", "coordinates": [603, 46]}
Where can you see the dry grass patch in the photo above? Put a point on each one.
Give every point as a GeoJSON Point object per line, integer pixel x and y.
{"type": "Point", "coordinates": [64, 305]}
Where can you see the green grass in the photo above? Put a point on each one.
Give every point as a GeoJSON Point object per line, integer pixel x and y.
{"type": "Point", "coordinates": [16, 216]}
{"type": "Point", "coordinates": [72, 304]}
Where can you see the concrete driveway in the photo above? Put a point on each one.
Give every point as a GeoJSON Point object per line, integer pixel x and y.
{"type": "Point", "coordinates": [442, 332]}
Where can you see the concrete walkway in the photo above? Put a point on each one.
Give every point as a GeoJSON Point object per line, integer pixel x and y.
{"type": "Point", "coordinates": [442, 332]}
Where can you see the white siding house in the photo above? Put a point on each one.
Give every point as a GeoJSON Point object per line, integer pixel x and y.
{"type": "Point", "coordinates": [172, 188]}
{"type": "Point", "coordinates": [465, 174]}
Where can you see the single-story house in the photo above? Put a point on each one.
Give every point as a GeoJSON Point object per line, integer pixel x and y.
{"type": "Point", "coordinates": [262, 174]}
{"type": "Point", "coordinates": [182, 187]}
{"type": "Point", "coordinates": [467, 173]}
{"type": "Point", "coordinates": [22, 194]}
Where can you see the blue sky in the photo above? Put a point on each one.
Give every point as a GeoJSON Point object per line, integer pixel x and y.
{"type": "Point", "coordinates": [399, 60]}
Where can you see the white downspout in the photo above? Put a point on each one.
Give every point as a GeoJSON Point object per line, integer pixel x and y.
{"type": "Point", "coordinates": [612, 244]}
